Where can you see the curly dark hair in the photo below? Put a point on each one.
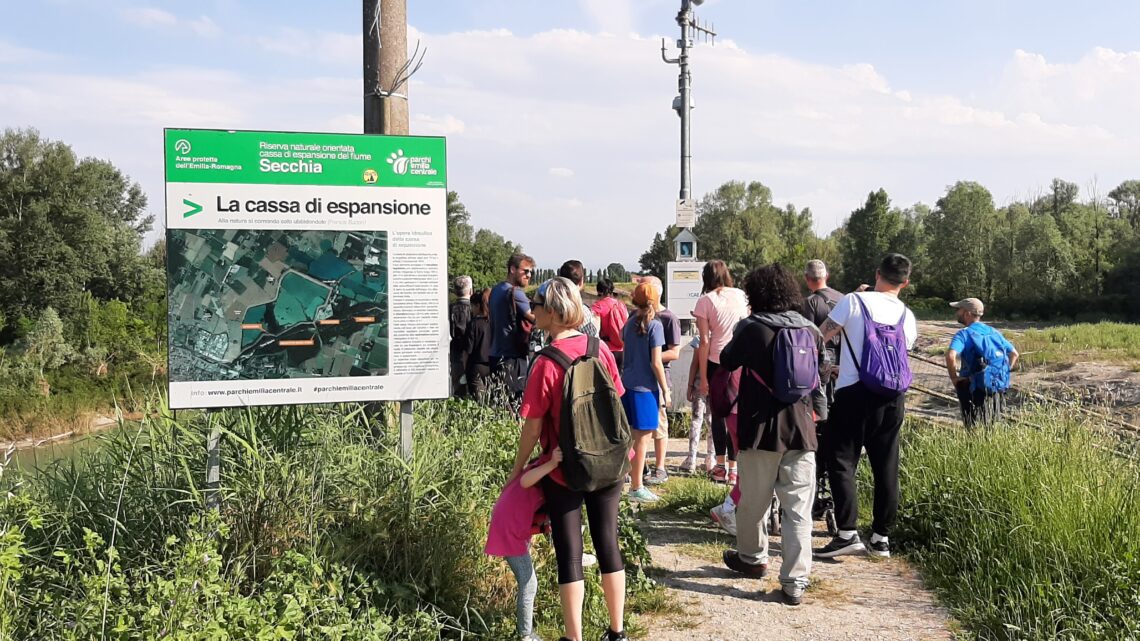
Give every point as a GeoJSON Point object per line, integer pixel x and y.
{"type": "Point", "coordinates": [773, 288]}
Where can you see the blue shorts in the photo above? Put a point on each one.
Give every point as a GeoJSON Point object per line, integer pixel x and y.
{"type": "Point", "coordinates": [642, 409]}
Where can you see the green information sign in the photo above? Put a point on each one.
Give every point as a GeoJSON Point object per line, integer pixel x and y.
{"type": "Point", "coordinates": [305, 267]}
{"type": "Point", "coordinates": [280, 158]}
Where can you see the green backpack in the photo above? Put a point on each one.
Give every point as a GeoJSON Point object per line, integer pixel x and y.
{"type": "Point", "coordinates": [594, 435]}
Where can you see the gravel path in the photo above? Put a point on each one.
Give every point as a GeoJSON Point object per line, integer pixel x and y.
{"type": "Point", "coordinates": [853, 598]}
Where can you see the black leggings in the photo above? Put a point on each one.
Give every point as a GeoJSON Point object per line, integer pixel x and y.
{"type": "Point", "coordinates": [565, 509]}
{"type": "Point", "coordinates": [722, 444]}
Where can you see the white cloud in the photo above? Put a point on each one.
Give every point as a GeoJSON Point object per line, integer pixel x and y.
{"type": "Point", "coordinates": [202, 26]}
{"type": "Point", "coordinates": [611, 16]}
{"type": "Point", "coordinates": [446, 125]}
{"type": "Point", "coordinates": [325, 46]}
{"type": "Point", "coordinates": [822, 136]}
{"type": "Point", "coordinates": [149, 17]}
{"type": "Point", "coordinates": [524, 113]}
{"type": "Point", "coordinates": [14, 54]}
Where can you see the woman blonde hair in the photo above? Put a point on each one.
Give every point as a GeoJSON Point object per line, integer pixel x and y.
{"type": "Point", "coordinates": [560, 297]}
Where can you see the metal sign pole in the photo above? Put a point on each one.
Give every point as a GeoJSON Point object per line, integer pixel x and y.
{"type": "Point", "coordinates": [213, 463]}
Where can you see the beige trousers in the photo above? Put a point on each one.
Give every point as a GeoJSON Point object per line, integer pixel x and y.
{"type": "Point", "coordinates": [791, 475]}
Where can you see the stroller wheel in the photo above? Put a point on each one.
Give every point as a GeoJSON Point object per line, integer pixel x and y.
{"type": "Point", "coordinates": [832, 526]}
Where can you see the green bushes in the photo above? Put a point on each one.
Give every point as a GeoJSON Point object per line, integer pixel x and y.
{"type": "Point", "coordinates": [323, 532]}
{"type": "Point", "coordinates": [1028, 531]}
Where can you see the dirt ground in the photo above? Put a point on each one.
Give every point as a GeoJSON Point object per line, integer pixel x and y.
{"type": "Point", "coordinates": [853, 598]}
{"type": "Point", "coordinates": [1109, 387]}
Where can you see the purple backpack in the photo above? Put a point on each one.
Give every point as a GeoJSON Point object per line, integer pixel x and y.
{"type": "Point", "coordinates": [884, 368]}
{"type": "Point", "coordinates": [795, 364]}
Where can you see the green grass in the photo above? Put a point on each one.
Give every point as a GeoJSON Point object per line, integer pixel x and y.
{"type": "Point", "coordinates": [323, 532]}
{"type": "Point", "coordinates": [1027, 531]}
{"type": "Point", "coordinates": [1065, 344]}
{"type": "Point", "coordinates": [688, 495]}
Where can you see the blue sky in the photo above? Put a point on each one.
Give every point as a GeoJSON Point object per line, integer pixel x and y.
{"type": "Point", "coordinates": [558, 111]}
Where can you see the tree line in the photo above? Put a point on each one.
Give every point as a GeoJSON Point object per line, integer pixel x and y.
{"type": "Point", "coordinates": [1055, 254]}
{"type": "Point", "coordinates": [75, 288]}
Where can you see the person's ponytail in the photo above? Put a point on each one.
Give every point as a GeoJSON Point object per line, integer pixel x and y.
{"type": "Point", "coordinates": [645, 316]}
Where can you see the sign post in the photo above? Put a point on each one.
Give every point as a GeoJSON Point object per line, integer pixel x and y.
{"type": "Point", "coordinates": [305, 268]}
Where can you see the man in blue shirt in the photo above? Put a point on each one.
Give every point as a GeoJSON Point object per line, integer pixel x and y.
{"type": "Point", "coordinates": [978, 404]}
{"type": "Point", "coordinates": [511, 323]}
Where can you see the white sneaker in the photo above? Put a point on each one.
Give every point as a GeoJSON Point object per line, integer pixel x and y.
{"type": "Point", "coordinates": [724, 519]}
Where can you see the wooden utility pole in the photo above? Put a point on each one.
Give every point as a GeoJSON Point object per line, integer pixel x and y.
{"type": "Point", "coordinates": [386, 104]}
{"type": "Point", "coordinates": [385, 67]}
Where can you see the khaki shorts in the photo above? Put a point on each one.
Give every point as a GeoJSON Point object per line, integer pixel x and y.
{"type": "Point", "coordinates": [662, 424]}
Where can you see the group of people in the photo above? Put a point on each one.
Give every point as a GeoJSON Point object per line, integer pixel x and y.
{"type": "Point", "coordinates": [794, 385]}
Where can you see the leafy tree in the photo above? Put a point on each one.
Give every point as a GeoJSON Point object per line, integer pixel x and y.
{"type": "Point", "coordinates": [1043, 264]}
{"type": "Point", "coordinates": [655, 259]}
{"type": "Point", "coordinates": [46, 348]}
{"type": "Point", "coordinates": [960, 233]}
{"type": "Point", "coordinates": [739, 225]}
{"type": "Point", "coordinates": [869, 234]}
{"type": "Point", "coordinates": [1126, 202]}
{"type": "Point", "coordinates": [481, 254]}
{"type": "Point", "coordinates": [1062, 195]}
{"type": "Point", "coordinates": [618, 273]}
{"type": "Point", "coordinates": [66, 226]}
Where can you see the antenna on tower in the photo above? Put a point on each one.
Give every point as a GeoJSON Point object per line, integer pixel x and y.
{"type": "Point", "coordinates": [683, 103]}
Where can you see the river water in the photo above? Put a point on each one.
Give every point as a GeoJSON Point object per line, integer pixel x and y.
{"type": "Point", "coordinates": [34, 457]}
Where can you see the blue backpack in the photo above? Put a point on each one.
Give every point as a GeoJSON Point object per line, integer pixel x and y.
{"type": "Point", "coordinates": [884, 369]}
{"type": "Point", "coordinates": [991, 362]}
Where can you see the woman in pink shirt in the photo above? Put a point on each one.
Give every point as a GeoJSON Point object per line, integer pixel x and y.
{"type": "Point", "coordinates": [717, 311]}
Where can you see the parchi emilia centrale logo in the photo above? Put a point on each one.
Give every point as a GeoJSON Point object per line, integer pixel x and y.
{"type": "Point", "coordinates": [399, 162]}
{"type": "Point", "coordinates": [414, 165]}
{"type": "Point", "coordinates": [182, 146]}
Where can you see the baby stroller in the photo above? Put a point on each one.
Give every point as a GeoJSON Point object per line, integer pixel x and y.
{"type": "Point", "coordinates": [823, 509]}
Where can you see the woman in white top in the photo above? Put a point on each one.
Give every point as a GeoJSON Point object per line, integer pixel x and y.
{"type": "Point", "coordinates": [718, 310]}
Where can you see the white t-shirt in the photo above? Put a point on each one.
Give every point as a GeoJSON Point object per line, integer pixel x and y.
{"type": "Point", "coordinates": [849, 315]}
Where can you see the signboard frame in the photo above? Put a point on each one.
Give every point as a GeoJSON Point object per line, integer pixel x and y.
{"type": "Point", "coordinates": [371, 209]}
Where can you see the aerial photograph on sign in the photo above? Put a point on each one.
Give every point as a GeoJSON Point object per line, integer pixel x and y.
{"type": "Point", "coordinates": [258, 304]}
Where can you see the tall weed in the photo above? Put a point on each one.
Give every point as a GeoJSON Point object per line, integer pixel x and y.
{"type": "Point", "coordinates": [323, 531]}
{"type": "Point", "coordinates": [1029, 530]}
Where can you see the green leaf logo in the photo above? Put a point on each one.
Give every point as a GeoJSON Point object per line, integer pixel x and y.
{"type": "Point", "coordinates": [399, 162]}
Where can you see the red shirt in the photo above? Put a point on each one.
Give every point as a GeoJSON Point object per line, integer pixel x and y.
{"type": "Point", "coordinates": [543, 395]}
{"type": "Point", "coordinates": [612, 315]}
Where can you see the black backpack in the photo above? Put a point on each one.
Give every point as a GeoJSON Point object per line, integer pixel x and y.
{"type": "Point", "coordinates": [595, 436]}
